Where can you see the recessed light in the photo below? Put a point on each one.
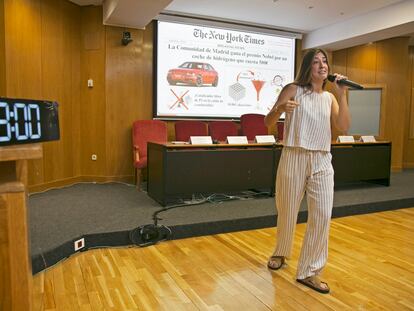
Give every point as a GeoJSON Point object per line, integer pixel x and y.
{"type": "Point", "coordinates": [310, 7]}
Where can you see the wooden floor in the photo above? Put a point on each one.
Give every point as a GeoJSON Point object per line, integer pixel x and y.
{"type": "Point", "coordinates": [370, 267]}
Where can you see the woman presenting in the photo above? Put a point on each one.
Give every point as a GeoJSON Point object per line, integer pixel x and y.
{"type": "Point", "coordinates": [305, 164]}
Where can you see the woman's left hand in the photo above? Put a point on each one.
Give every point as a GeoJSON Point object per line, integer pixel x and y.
{"type": "Point", "coordinates": [340, 87]}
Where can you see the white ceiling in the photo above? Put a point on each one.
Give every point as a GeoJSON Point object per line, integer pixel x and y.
{"type": "Point", "coordinates": [332, 24]}
{"type": "Point", "coordinates": [299, 15]}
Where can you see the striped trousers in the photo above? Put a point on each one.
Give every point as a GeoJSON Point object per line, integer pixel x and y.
{"type": "Point", "coordinates": [303, 171]}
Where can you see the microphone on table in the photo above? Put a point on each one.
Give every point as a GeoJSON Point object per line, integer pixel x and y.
{"type": "Point", "coordinates": [346, 82]}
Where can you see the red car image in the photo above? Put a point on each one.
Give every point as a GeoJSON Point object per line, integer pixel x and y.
{"type": "Point", "coordinates": [193, 73]}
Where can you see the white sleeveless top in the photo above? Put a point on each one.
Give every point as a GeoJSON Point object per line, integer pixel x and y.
{"type": "Point", "coordinates": [309, 125]}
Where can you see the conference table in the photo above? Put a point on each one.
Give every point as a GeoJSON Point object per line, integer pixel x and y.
{"type": "Point", "coordinates": [179, 171]}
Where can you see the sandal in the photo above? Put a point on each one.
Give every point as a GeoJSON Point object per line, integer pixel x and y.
{"type": "Point", "coordinates": [315, 283]}
{"type": "Point", "coordinates": [274, 259]}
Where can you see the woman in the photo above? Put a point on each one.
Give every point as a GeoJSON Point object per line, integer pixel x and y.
{"type": "Point", "coordinates": [305, 164]}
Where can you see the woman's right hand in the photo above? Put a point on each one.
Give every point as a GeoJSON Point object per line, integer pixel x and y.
{"type": "Point", "coordinates": [284, 104]}
{"type": "Point", "coordinates": [289, 106]}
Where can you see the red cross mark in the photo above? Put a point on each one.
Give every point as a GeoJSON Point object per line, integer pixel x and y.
{"type": "Point", "coordinates": [180, 100]}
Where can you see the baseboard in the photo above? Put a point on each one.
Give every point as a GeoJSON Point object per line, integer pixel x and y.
{"type": "Point", "coordinates": [129, 179]}
{"type": "Point", "coordinates": [408, 165]}
{"type": "Point", "coordinates": [396, 169]}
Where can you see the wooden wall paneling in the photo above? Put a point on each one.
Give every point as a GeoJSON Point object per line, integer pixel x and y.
{"type": "Point", "coordinates": [23, 51]}
{"type": "Point", "coordinates": [2, 52]}
{"type": "Point", "coordinates": [52, 86]}
{"type": "Point", "coordinates": [92, 110]}
{"type": "Point", "coordinates": [129, 83]}
{"type": "Point", "coordinates": [299, 55]}
{"type": "Point", "coordinates": [411, 124]}
{"type": "Point", "coordinates": [56, 77]}
{"type": "Point", "coordinates": [71, 93]}
{"type": "Point", "coordinates": [362, 63]}
{"type": "Point", "coordinates": [383, 114]}
{"type": "Point", "coordinates": [338, 64]}
{"type": "Point", "coordinates": [411, 121]}
{"type": "Point", "coordinates": [147, 72]}
{"type": "Point", "coordinates": [126, 89]}
{"type": "Point", "coordinates": [409, 141]}
{"type": "Point", "coordinates": [329, 53]}
{"type": "Point", "coordinates": [392, 70]}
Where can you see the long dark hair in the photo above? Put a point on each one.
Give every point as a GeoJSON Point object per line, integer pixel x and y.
{"type": "Point", "coordinates": [304, 76]}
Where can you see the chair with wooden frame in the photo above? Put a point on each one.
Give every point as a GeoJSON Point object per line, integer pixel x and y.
{"type": "Point", "coordinates": [144, 131]}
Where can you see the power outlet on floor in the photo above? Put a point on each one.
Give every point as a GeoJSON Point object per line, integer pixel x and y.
{"type": "Point", "coordinates": [79, 244]}
{"type": "Point", "coordinates": [94, 157]}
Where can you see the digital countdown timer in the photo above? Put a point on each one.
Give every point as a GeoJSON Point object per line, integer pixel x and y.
{"type": "Point", "coordinates": [24, 121]}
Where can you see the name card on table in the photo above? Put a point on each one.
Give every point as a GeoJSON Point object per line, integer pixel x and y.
{"type": "Point", "coordinates": [237, 140]}
{"type": "Point", "coordinates": [201, 140]}
{"type": "Point", "coordinates": [345, 139]}
{"type": "Point", "coordinates": [367, 139]}
{"type": "Point", "coordinates": [261, 139]}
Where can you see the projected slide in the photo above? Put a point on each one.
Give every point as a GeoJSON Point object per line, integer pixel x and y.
{"type": "Point", "coordinates": [205, 72]}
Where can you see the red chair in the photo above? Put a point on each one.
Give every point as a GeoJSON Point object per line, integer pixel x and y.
{"type": "Point", "coordinates": [144, 131]}
{"type": "Point", "coordinates": [219, 130]}
{"type": "Point", "coordinates": [185, 129]}
{"type": "Point", "coordinates": [252, 124]}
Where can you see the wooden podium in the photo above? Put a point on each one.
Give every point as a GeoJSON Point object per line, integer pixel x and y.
{"type": "Point", "coordinates": [15, 262]}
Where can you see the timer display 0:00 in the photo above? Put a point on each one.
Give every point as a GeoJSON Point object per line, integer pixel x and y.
{"type": "Point", "coordinates": [30, 122]}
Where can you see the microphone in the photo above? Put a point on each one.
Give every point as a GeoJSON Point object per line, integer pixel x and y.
{"type": "Point", "coordinates": [346, 82]}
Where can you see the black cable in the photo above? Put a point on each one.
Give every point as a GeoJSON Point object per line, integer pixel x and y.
{"type": "Point", "coordinates": [211, 199]}
{"type": "Point", "coordinates": [154, 215]}
{"type": "Point", "coordinates": [153, 233]}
